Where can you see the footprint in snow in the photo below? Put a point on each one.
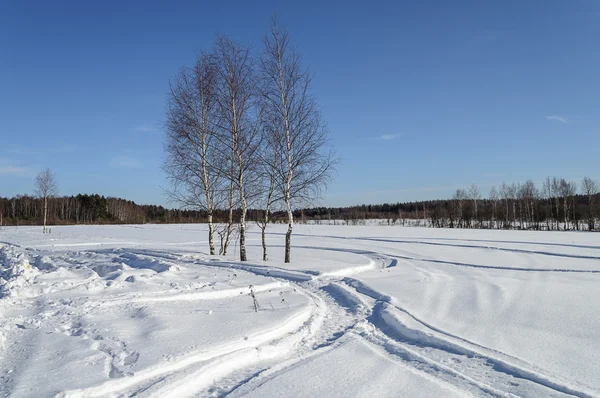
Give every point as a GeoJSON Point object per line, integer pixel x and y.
{"type": "Point", "coordinates": [128, 359]}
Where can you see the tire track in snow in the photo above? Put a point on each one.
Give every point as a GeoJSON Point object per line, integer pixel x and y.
{"type": "Point", "coordinates": [194, 295]}
{"type": "Point", "coordinates": [465, 246]}
{"type": "Point", "coordinates": [502, 268]}
{"type": "Point", "coordinates": [201, 372]}
{"type": "Point", "coordinates": [420, 338]}
{"type": "Point", "coordinates": [218, 363]}
{"type": "Point", "coordinates": [385, 319]}
{"type": "Point", "coordinates": [505, 249]}
{"type": "Point", "coordinates": [382, 318]}
{"type": "Point", "coordinates": [160, 371]}
{"type": "Point", "coordinates": [344, 298]}
{"type": "Point", "coordinates": [201, 382]}
{"type": "Point", "coordinates": [455, 263]}
{"type": "Point", "coordinates": [246, 364]}
{"type": "Point", "coordinates": [519, 242]}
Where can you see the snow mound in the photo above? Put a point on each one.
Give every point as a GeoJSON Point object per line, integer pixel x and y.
{"type": "Point", "coordinates": [44, 263]}
{"type": "Point", "coordinates": [15, 271]}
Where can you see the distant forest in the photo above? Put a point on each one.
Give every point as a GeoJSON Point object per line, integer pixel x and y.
{"type": "Point", "coordinates": [556, 206]}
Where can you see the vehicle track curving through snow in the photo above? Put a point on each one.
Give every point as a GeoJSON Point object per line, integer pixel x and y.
{"type": "Point", "coordinates": [428, 305]}
{"type": "Point", "coordinates": [362, 312]}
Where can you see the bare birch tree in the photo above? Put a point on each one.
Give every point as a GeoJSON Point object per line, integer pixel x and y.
{"type": "Point", "coordinates": [46, 187]}
{"type": "Point", "coordinates": [238, 119]}
{"type": "Point", "coordinates": [566, 190]}
{"type": "Point", "coordinates": [305, 167]}
{"type": "Point", "coordinates": [505, 193]}
{"type": "Point", "coordinates": [556, 193]}
{"type": "Point", "coordinates": [460, 197]}
{"type": "Point", "coordinates": [194, 162]}
{"type": "Point", "coordinates": [571, 191]}
{"type": "Point", "coordinates": [590, 189]}
{"type": "Point", "coordinates": [475, 195]}
{"type": "Point", "coordinates": [494, 198]}
{"type": "Point", "coordinates": [547, 193]}
{"type": "Point", "coordinates": [513, 191]}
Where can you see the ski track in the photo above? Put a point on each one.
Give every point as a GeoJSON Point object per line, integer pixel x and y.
{"type": "Point", "coordinates": [424, 241]}
{"type": "Point", "coordinates": [340, 307]}
{"type": "Point", "coordinates": [398, 332]}
{"type": "Point", "coordinates": [389, 333]}
{"type": "Point", "coordinates": [396, 257]}
{"type": "Point", "coordinates": [167, 296]}
{"type": "Point", "coordinates": [122, 385]}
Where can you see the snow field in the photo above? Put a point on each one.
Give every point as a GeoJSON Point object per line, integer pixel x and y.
{"type": "Point", "coordinates": [361, 311]}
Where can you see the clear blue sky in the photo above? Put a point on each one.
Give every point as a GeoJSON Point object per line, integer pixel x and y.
{"type": "Point", "coordinates": [421, 97]}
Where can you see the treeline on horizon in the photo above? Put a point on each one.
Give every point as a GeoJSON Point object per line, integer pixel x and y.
{"type": "Point", "coordinates": [558, 205]}
{"type": "Point", "coordinates": [98, 209]}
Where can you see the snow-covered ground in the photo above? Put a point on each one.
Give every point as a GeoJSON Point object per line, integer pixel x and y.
{"type": "Point", "coordinates": [361, 311]}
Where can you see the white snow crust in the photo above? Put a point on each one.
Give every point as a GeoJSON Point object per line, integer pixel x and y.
{"type": "Point", "coordinates": [365, 311]}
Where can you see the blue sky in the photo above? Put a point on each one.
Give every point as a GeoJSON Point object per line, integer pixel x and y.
{"type": "Point", "coordinates": [421, 97]}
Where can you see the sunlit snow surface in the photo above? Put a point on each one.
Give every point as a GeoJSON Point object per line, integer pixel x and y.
{"type": "Point", "coordinates": [361, 311]}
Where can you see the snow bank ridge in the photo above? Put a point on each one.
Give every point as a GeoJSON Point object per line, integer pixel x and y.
{"type": "Point", "coordinates": [15, 271]}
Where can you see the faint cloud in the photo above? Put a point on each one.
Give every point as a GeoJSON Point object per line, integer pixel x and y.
{"type": "Point", "coordinates": [121, 162]}
{"type": "Point", "coordinates": [388, 137]}
{"type": "Point", "coordinates": [144, 128]}
{"type": "Point", "coordinates": [557, 118]}
{"type": "Point", "coordinates": [13, 171]}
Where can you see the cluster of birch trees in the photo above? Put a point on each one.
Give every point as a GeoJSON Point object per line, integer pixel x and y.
{"type": "Point", "coordinates": [243, 131]}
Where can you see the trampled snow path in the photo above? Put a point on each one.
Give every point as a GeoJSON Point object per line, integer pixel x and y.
{"type": "Point", "coordinates": [352, 312]}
